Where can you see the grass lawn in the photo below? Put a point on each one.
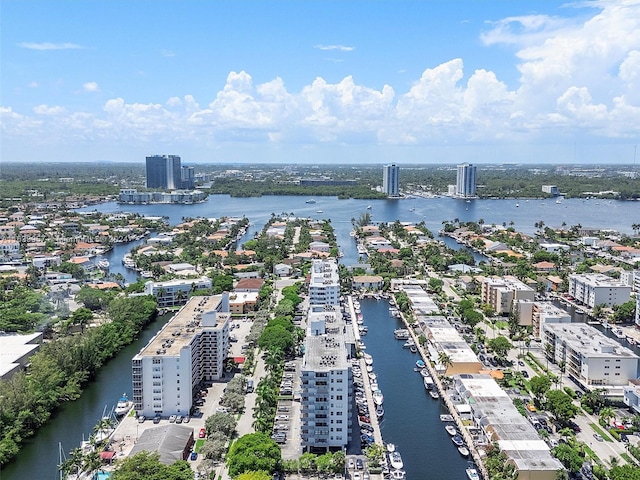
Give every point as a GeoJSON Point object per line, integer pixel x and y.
{"type": "Point", "coordinates": [500, 324]}
{"type": "Point", "coordinates": [597, 429]}
{"type": "Point", "coordinates": [199, 444]}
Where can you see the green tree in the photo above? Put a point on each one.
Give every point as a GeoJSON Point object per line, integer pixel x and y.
{"type": "Point", "coordinates": [569, 456]}
{"type": "Point", "coordinates": [259, 475]}
{"type": "Point", "coordinates": [147, 466]}
{"type": "Point", "coordinates": [624, 472]}
{"type": "Point", "coordinates": [540, 385]}
{"type": "Point", "coordinates": [500, 346]}
{"type": "Point", "coordinates": [252, 452]}
{"type": "Point", "coordinates": [221, 422]}
{"type": "Point", "coordinates": [81, 317]}
{"type": "Point", "coordinates": [561, 405]}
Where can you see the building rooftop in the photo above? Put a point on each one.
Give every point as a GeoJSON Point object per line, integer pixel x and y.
{"type": "Point", "coordinates": [597, 280]}
{"type": "Point", "coordinates": [589, 341]}
{"type": "Point", "coordinates": [447, 338]}
{"type": "Point", "coordinates": [326, 348]}
{"type": "Point", "coordinates": [198, 314]}
{"type": "Point", "coordinates": [501, 420]}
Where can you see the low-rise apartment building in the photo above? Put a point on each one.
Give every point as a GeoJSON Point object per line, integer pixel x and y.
{"type": "Point", "coordinates": [591, 359]}
{"type": "Point", "coordinates": [494, 414]}
{"type": "Point", "coordinates": [501, 292]}
{"type": "Point", "coordinates": [191, 348]}
{"type": "Point", "coordinates": [175, 292]}
{"type": "Point", "coordinates": [535, 314]}
{"type": "Point", "coordinates": [598, 289]}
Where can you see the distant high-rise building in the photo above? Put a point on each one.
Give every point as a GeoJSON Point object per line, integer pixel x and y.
{"type": "Point", "coordinates": [188, 178]}
{"type": "Point", "coordinates": [466, 180]}
{"type": "Point", "coordinates": [164, 171]}
{"type": "Point", "coordinates": [390, 180]}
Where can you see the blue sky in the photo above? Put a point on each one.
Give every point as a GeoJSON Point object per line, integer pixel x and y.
{"type": "Point", "coordinates": [320, 81]}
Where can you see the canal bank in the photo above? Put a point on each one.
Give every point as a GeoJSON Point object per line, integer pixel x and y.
{"type": "Point", "coordinates": [74, 421]}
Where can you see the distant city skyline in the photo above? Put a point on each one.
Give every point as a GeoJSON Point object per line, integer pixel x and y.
{"type": "Point", "coordinates": [403, 82]}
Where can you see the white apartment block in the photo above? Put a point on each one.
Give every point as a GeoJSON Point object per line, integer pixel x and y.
{"type": "Point", "coordinates": [175, 292]}
{"type": "Point", "coordinates": [326, 381]}
{"type": "Point", "coordinates": [191, 348]}
{"type": "Point", "coordinates": [501, 292]}
{"type": "Point", "coordinates": [9, 248]}
{"type": "Point", "coordinates": [324, 283]}
{"type": "Point", "coordinates": [597, 289]}
{"type": "Point", "coordinates": [592, 359]}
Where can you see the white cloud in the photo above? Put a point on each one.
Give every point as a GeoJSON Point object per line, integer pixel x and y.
{"type": "Point", "coordinates": [46, 110]}
{"type": "Point", "coordinates": [167, 53]}
{"type": "Point", "coordinates": [33, 84]}
{"type": "Point", "coordinates": [577, 78]}
{"type": "Point", "coordinates": [91, 87]}
{"type": "Point", "coordinates": [50, 46]}
{"type": "Point", "coordinates": [341, 48]}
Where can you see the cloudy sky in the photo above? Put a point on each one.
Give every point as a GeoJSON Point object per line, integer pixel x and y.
{"type": "Point", "coordinates": [374, 81]}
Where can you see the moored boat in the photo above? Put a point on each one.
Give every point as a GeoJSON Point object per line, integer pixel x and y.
{"type": "Point", "coordinates": [434, 394]}
{"type": "Point", "coordinates": [445, 417]}
{"type": "Point", "coordinates": [472, 474]}
{"type": "Point", "coordinates": [379, 411]}
{"type": "Point", "coordinates": [457, 440]}
{"type": "Point", "coordinates": [428, 383]}
{"type": "Point", "coordinates": [451, 430]}
{"type": "Point", "coordinates": [396, 460]}
{"type": "Point", "coordinates": [391, 447]}
{"type": "Point", "coordinates": [464, 451]}
{"type": "Point", "coordinates": [398, 474]}
{"type": "Point", "coordinates": [378, 398]}
{"type": "Point", "coordinates": [123, 405]}
{"type": "Point", "coordinates": [401, 334]}
{"type": "Point", "coordinates": [420, 363]}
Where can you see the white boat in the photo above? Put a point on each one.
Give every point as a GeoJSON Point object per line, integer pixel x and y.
{"type": "Point", "coordinates": [409, 343]}
{"type": "Point", "coordinates": [428, 383]}
{"type": "Point", "coordinates": [369, 368]}
{"type": "Point", "coordinates": [379, 411]}
{"type": "Point", "coordinates": [401, 334]}
{"type": "Point", "coordinates": [378, 398]}
{"type": "Point", "coordinates": [424, 372]}
{"type": "Point", "coordinates": [398, 474]}
{"type": "Point", "coordinates": [445, 417]}
{"type": "Point", "coordinates": [464, 451]}
{"type": "Point", "coordinates": [618, 333]}
{"type": "Point", "coordinates": [435, 395]}
{"type": "Point", "coordinates": [391, 447]}
{"type": "Point", "coordinates": [472, 474]}
{"type": "Point", "coordinates": [103, 264]}
{"type": "Point", "coordinates": [311, 200]}
{"type": "Point", "coordinates": [396, 460]}
{"type": "Point", "coordinates": [369, 207]}
{"type": "Point", "coordinates": [368, 359]}
{"type": "Point", "coordinates": [451, 430]}
{"type": "Point", "coordinates": [123, 406]}
{"type": "Point", "coordinates": [372, 376]}
{"type": "Point", "coordinates": [319, 211]}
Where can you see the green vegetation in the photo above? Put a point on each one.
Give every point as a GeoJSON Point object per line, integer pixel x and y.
{"type": "Point", "coordinates": [253, 452]}
{"type": "Point", "coordinates": [147, 466]}
{"type": "Point", "coordinates": [310, 465]}
{"type": "Point", "coordinates": [241, 188]}
{"type": "Point", "coordinates": [60, 369]}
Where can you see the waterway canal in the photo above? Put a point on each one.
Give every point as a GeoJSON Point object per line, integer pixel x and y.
{"type": "Point", "coordinates": [39, 457]}
{"type": "Point", "coordinates": [412, 418]}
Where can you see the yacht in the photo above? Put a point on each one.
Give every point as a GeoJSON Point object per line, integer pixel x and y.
{"type": "Point", "coordinates": [378, 398]}
{"type": "Point", "coordinates": [103, 264]}
{"type": "Point", "coordinates": [472, 474]}
{"type": "Point", "coordinates": [123, 406]}
{"type": "Point", "coordinates": [451, 430]}
{"type": "Point", "coordinates": [398, 474]}
{"type": "Point", "coordinates": [391, 447]}
{"type": "Point", "coordinates": [401, 334]}
{"type": "Point", "coordinates": [457, 440]}
{"type": "Point", "coordinates": [434, 394]}
{"type": "Point", "coordinates": [311, 200]}
{"type": "Point", "coordinates": [396, 460]}
{"type": "Point", "coordinates": [428, 383]}
{"type": "Point", "coordinates": [445, 417]}
{"type": "Point", "coordinates": [464, 451]}
{"type": "Point", "coordinates": [369, 207]}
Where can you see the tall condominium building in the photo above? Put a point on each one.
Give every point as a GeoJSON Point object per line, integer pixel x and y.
{"type": "Point", "coordinates": [466, 180]}
{"type": "Point", "coordinates": [326, 380]}
{"type": "Point", "coordinates": [188, 178]}
{"type": "Point", "coordinates": [390, 180]}
{"type": "Point", "coordinates": [324, 284]}
{"type": "Point", "coordinates": [191, 348]}
{"type": "Point", "coordinates": [164, 171]}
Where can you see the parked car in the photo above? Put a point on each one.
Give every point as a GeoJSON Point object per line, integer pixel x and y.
{"type": "Point", "coordinates": [194, 455]}
{"type": "Point", "coordinates": [202, 433]}
{"type": "Point", "coordinates": [598, 437]}
{"type": "Point", "coordinates": [359, 464]}
{"type": "Point", "coordinates": [141, 418]}
{"type": "Point", "coordinates": [172, 419]}
{"type": "Point", "coordinates": [156, 419]}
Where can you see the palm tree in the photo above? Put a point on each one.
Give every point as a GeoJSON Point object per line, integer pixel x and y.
{"type": "Point", "coordinates": [445, 361]}
{"type": "Point", "coordinates": [606, 414]}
